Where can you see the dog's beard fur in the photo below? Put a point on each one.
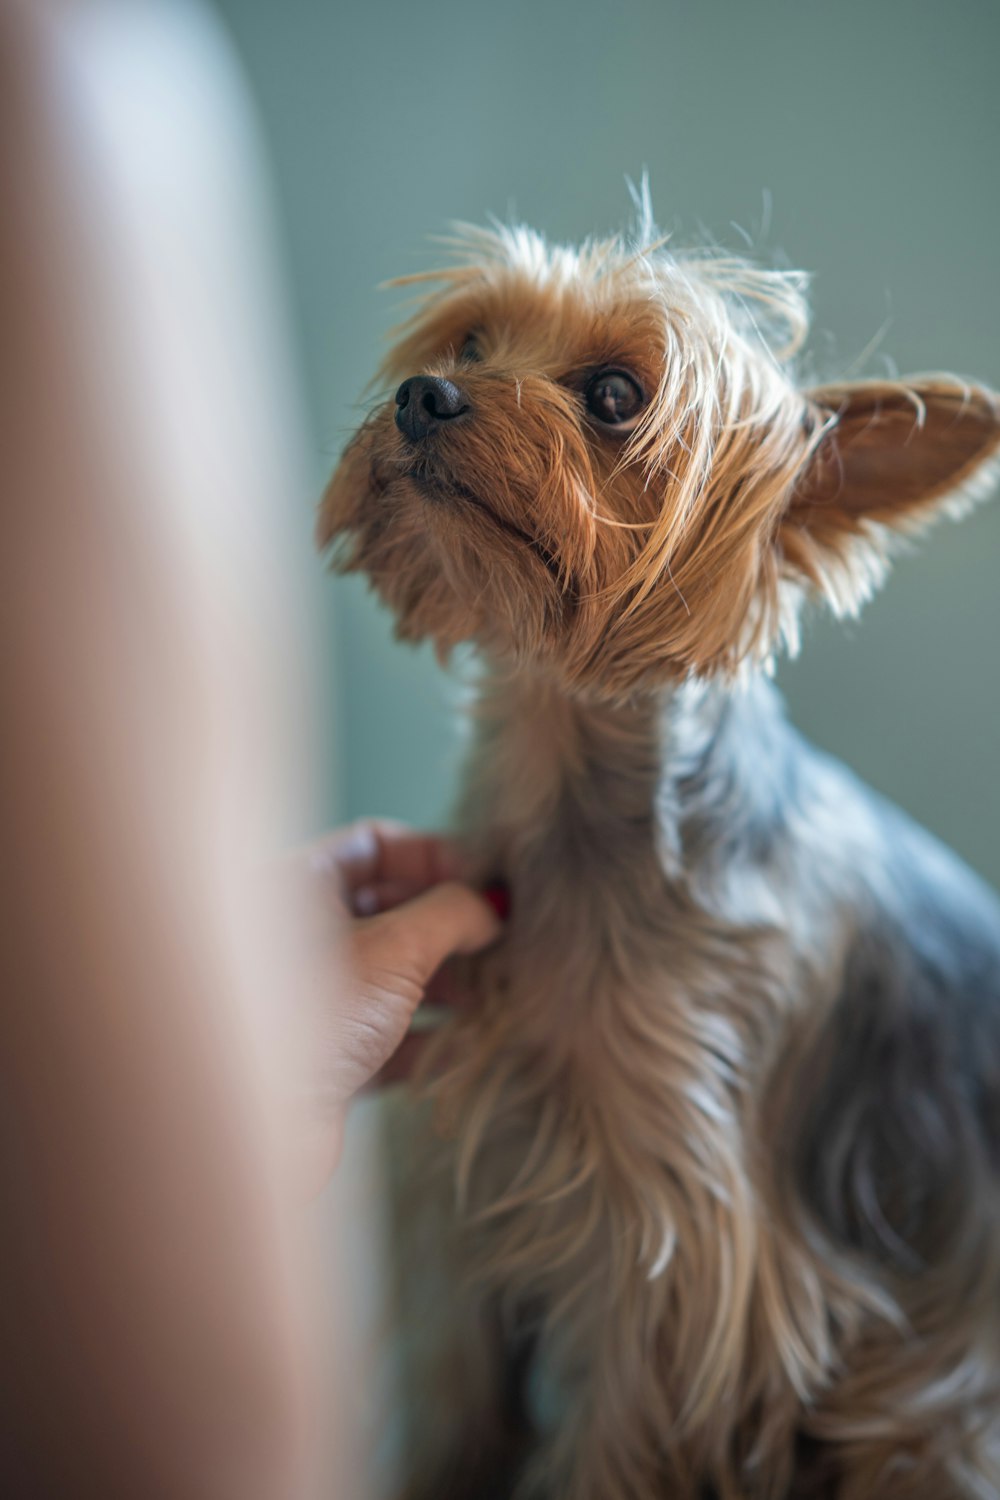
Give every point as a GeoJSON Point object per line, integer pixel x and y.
{"type": "Point", "coordinates": [614, 1099]}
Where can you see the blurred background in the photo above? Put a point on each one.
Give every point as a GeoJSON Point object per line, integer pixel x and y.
{"type": "Point", "coordinates": [858, 141]}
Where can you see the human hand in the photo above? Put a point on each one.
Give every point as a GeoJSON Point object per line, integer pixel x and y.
{"type": "Point", "coordinates": [385, 908]}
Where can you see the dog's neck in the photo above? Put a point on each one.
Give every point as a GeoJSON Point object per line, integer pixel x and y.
{"type": "Point", "coordinates": [546, 760]}
{"type": "Point", "coordinates": [564, 787]}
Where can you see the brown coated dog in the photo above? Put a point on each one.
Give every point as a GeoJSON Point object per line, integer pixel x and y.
{"type": "Point", "coordinates": [716, 1179]}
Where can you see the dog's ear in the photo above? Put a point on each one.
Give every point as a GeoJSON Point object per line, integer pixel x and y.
{"type": "Point", "coordinates": [892, 456]}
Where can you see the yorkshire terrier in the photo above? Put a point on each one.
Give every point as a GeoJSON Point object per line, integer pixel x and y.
{"type": "Point", "coordinates": [715, 1162]}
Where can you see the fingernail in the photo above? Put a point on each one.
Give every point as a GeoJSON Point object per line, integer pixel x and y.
{"type": "Point", "coordinates": [365, 901]}
{"type": "Point", "coordinates": [498, 895]}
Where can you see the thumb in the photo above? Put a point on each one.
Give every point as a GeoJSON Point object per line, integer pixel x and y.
{"type": "Point", "coordinates": [417, 937]}
{"type": "Point", "coordinates": [393, 956]}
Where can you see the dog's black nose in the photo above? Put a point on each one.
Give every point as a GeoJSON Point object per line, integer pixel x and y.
{"type": "Point", "coordinates": [425, 401]}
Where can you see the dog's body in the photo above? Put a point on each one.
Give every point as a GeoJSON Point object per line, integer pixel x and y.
{"type": "Point", "coordinates": [718, 1189]}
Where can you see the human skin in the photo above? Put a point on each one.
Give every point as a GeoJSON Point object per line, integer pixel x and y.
{"type": "Point", "coordinates": [379, 910]}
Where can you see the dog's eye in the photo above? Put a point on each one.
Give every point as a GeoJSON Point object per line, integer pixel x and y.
{"type": "Point", "coordinates": [613, 397]}
{"type": "Point", "coordinates": [470, 350]}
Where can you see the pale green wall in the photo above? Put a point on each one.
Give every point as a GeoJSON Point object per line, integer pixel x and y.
{"type": "Point", "coordinates": [873, 127]}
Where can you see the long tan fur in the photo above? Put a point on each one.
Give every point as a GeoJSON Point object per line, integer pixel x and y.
{"type": "Point", "coordinates": [616, 1120]}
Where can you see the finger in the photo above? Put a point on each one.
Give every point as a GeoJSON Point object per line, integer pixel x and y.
{"type": "Point", "coordinates": [369, 900]}
{"type": "Point", "coordinates": [409, 943]}
{"type": "Point", "coordinates": [350, 854]}
{"type": "Point", "coordinates": [449, 919]}
{"type": "Point", "coordinates": [418, 859]}
{"type": "Point", "coordinates": [377, 851]}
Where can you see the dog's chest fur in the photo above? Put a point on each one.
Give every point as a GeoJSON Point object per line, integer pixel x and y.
{"type": "Point", "coordinates": [610, 1101]}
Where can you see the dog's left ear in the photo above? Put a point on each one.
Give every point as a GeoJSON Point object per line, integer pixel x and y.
{"type": "Point", "coordinates": [892, 456]}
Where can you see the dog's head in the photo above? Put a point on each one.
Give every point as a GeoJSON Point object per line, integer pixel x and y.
{"type": "Point", "coordinates": [598, 461]}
